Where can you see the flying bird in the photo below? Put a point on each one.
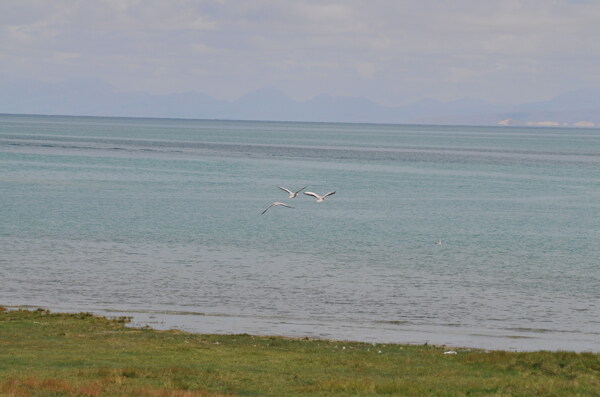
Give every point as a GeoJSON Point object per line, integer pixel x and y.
{"type": "Point", "coordinates": [291, 194]}
{"type": "Point", "coordinates": [319, 198]}
{"type": "Point", "coordinates": [276, 203]}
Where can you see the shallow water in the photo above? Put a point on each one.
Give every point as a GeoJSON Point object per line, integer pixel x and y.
{"type": "Point", "coordinates": [161, 219]}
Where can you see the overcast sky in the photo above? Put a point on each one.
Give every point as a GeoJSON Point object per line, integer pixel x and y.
{"type": "Point", "coordinates": [390, 51]}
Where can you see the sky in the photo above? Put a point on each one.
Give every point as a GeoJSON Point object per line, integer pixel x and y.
{"type": "Point", "coordinates": [390, 51]}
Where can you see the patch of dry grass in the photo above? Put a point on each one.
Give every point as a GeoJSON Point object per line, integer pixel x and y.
{"type": "Point", "coordinates": [29, 387]}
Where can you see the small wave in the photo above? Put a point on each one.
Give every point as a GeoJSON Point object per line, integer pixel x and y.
{"type": "Point", "coordinates": [393, 322]}
{"type": "Point", "coordinates": [167, 312]}
{"type": "Point", "coordinates": [540, 330]}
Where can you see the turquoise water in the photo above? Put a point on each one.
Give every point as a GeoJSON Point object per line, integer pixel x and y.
{"type": "Point", "coordinates": [162, 219]}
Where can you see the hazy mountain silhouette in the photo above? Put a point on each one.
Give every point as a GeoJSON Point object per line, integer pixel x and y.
{"type": "Point", "coordinates": [97, 98]}
{"type": "Point", "coordinates": [588, 98]}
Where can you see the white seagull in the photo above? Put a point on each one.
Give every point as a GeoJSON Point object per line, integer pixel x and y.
{"type": "Point", "coordinates": [439, 242]}
{"type": "Point", "coordinates": [291, 194]}
{"type": "Point", "coordinates": [319, 198]}
{"type": "Point", "coordinates": [276, 203]}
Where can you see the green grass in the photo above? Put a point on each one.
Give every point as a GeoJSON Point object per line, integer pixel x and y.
{"type": "Point", "coordinates": [48, 354]}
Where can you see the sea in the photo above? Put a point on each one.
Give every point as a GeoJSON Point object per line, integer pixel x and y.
{"type": "Point", "coordinates": [465, 236]}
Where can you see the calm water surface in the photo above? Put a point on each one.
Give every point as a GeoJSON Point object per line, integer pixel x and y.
{"type": "Point", "coordinates": [160, 219]}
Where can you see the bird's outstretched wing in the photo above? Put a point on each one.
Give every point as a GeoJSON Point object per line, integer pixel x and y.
{"type": "Point", "coordinates": [329, 194]}
{"type": "Point", "coordinates": [301, 189]}
{"type": "Point", "coordinates": [276, 203]}
{"type": "Point", "coordinates": [285, 190]}
{"type": "Point", "coordinates": [266, 209]}
{"type": "Point", "coordinates": [315, 195]}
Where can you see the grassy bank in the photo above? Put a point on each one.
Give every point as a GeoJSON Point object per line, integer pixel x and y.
{"type": "Point", "coordinates": [44, 354]}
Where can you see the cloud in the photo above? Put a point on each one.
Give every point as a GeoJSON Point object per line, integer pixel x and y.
{"type": "Point", "coordinates": [366, 69]}
{"type": "Point", "coordinates": [391, 51]}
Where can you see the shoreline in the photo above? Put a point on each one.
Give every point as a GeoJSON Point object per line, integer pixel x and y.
{"type": "Point", "coordinates": [520, 340]}
{"type": "Point", "coordinates": [75, 354]}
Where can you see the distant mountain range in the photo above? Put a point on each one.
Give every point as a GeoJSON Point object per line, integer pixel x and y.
{"type": "Point", "coordinates": [96, 98]}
